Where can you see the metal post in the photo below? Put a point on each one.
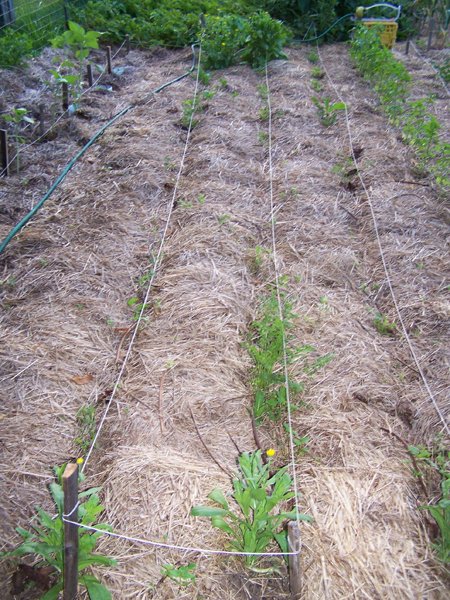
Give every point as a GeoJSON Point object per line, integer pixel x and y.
{"type": "Point", "coordinates": [90, 75]}
{"type": "Point", "coordinates": [70, 488]}
{"type": "Point", "coordinates": [65, 96]}
{"type": "Point", "coordinates": [430, 34]}
{"type": "Point", "coordinates": [7, 12]}
{"type": "Point", "coordinates": [4, 158]}
{"type": "Point", "coordinates": [294, 545]}
{"type": "Point", "coordinates": [108, 60]}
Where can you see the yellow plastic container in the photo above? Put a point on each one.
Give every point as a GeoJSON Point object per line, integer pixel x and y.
{"type": "Point", "coordinates": [388, 30]}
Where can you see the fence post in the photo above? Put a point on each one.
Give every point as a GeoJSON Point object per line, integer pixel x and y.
{"type": "Point", "coordinates": [65, 96]}
{"type": "Point", "coordinates": [108, 60]}
{"type": "Point", "coordinates": [66, 14]}
{"type": "Point", "coordinates": [294, 544]}
{"type": "Point", "coordinates": [7, 13]}
{"type": "Point", "coordinates": [90, 75]}
{"type": "Point", "coordinates": [70, 488]}
{"type": "Point", "coordinates": [4, 159]}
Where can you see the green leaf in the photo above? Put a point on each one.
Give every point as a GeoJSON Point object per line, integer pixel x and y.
{"type": "Point", "coordinates": [207, 511]}
{"type": "Point", "coordinates": [96, 590]}
{"type": "Point", "coordinates": [220, 523]}
{"type": "Point", "coordinates": [53, 593]}
{"type": "Point", "coordinates": [218, 496]}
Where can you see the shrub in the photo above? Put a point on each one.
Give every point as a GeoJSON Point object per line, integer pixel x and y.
{"type": "Point", "coordinates": [14, 47]}
{"type": "Point", "coordinates": [265, 40]}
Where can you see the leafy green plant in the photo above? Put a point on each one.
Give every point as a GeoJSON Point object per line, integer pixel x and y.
{"type": "Point", "coordinates": [45, 541]}
{"type": "Point", "coordinates": [327, 110]}
{"type": "Point", "coordinates": [17, 118]}
{"type": "Point", "coordinates": [383, 325]}
{"type": "Point", "coordinates": [138, 306]}
{"type": "Point", "coordinates": [316, 85]}
{"type": "Point", "coordinates": [300, 441]}
{"type": "Point", "coordinates": [264, 113]}
{"type": "Point", "coordinates": [86, 421]}
{"type": "Point", "coordinates": [317, 73]}
{"type": "Point", "coordinates": [184, 575]}
{"type": "Point", "coordinates": [15, 47]}
{"type": "Point", "coordinates": [436, 461]}
{"type": "Point", "coordinates": [313, 57]}
{"type": "Point", "coordinates": [258, 494]}
{"type": "Point", "coordinates": [79, 44]}
{"type": "Point", "coordinates": [257, 255]}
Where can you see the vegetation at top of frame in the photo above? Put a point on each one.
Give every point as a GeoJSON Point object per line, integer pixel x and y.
{"type": "Point", "coordinates": [45, 542]}
{"type": "Point", "coordinates": [419, 126]}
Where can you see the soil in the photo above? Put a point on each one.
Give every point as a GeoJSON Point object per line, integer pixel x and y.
{"type": "Point", "coordinates": [66, 282]}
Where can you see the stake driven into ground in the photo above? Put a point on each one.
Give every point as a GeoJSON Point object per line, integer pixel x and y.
{"type": "Point", "coordinates": [79, 264]}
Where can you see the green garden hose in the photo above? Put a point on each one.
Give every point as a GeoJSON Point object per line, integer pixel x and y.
{"type": "Point", "coordinates": [15, 230]}
{"type": "Point", "coordinates": [324, 33]}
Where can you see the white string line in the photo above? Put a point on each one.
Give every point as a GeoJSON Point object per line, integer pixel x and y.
{"type": "Point", "coordinates": [280, 308]}
{"type": "Point", "coordinates": [155, 268]}
{"type": "Point", "coordinates": [430, 63]}
{"type": "Point", "coordinates": [62, 115]}
{"type": "Point", "coordinates": [382, 255]}
{"type": "Point", "coordinates": [175, 547]}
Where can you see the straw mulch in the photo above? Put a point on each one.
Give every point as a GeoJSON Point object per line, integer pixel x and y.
{"type": "Point", "coordinates": [187, 383]}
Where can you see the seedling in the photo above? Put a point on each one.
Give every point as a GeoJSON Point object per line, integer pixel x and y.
{"type": "Point", "coordinates": [327, 110]}
{"type": "Point", "coordinates": [263, 91]}
{"type": "Point", "coordinates": [300, 442]}
{"type": "Point", "coordinates": [138, 307]}
{"type": "Point", "coordinates": [313, 57]}
{"type": "Point", "coordinates": [383, 325]}
{"type": "Point", "coordinates": [316, 85]}
{"type": "Point", "coordinates": [264, 113]}
{"type": "Point", "coordinates": [258, 492]}
{"type": "Point", "coordinates": [263, 137]}
{"type": "Point", "coordinates": [256, 259]}
{"type": "Point", "coordinates": [85, 418]}
{"type": "Point", "coordinates": [183, 575]}
{"type": "Point", "coordinates": [223, 219]}
{"type": "Point", "coordinates": [317, 73]}
{"type": "Point", "coordinates": [45, 541]}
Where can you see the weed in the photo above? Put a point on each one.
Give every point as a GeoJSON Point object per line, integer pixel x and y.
{"type": "Point", "coordinates": [327, 110]}
{"type": "Point", "coordinates": [257, 492]}
{"type": "Point", "coordinates": [18, 118]}
{"type": "Point", "coordinates": [262, 91]}
{"type": "Point", "coordinates": [234, 93]}
{"type": "Point", "coordinates": [223, 83]}
{"type": "Point", "coordinates": [383, 325]}
{"type": "Point", "coordinates": [313, 57]}
{"type": "Point", "coordinates": [204, 76]}
{"type": "Point", "coordinates": [256, 259]}
{"type": "Point", "coordinates": [46, 541]}
{"type": "Point", "coordinates": [436, 461]}
{"type": "Point", "coordinates": [194, 106]}
{"type": "Point", "coordinates": [85, 418]}
{"type": "Point", "coordinates": [201, 199]}
{"type": "Point", "coordinates": [183, 575]}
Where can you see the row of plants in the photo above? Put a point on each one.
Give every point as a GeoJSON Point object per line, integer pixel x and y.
{"type": "Point", "coordinates": [392, 82]}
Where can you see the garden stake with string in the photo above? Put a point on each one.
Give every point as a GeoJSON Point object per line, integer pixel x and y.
{"type": "Point", "coordinates": [4, 152]}
{"type": "Point", "coordinates": [108, 60]}
{"type": "Point", "coordinates": [70, 488]}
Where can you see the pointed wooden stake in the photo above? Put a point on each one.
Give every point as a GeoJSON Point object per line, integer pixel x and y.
{"type": "Point", "coordinates": [70, 488]}
{"type": "Point", "coordinates": [294, 545]}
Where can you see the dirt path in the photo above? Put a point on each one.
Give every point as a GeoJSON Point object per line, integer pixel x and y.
{"type": "Point", "coordinates": [91, 249]}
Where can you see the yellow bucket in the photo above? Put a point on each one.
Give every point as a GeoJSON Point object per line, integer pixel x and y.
{"type": "Point", "coordinates": [388, 30]}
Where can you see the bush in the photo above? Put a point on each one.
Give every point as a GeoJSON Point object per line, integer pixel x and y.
{"type": "Point", "coordinates": [264, 41]}
{"type": "Point", "coordinates": [223, 39]}
{"type": "Point", "coordinates": [14, 47]}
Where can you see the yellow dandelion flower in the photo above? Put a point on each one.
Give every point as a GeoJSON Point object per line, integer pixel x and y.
{"type": "Point", "coordinates": [80, 461]}
{"type": "Point", "coordinates": [270, 452]}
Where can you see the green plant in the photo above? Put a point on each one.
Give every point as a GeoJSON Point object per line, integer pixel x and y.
{"type": "Point", "coordinates": [257, 256]}
{"type": "Point", "coordinates": [263, 137]}
{"type": "Point", "coordinates": [264, 113]}
{"type": "Point", "coordinates": [262, 91]}
{"type": "Point", "coordinates": [138, 307]}
{"type": "Point", "coordinates": [46, 541]}
{"type": "Point", "coordinates": [436, 462]}
{"type": "Point", "coordinates": [317, 73]}
{"type": "Point", "coordinates": [327, 110]}
{"type": "Point", "coordinates": [183, 575]}
{"type": "Point", "coordinates": [300, 441]}
{"type": "Point", "coordinates": [313, 57]}
{"type": "Point", "coordinates": [258, 494]}
{"type": "Point", "coordinates": [223, 219]}
{"type": "Point", "coordinates": [17, 118]}
{"type": "Point", "coordinates": [86, 421]}
{"type": "Point", "coordinates": [316, 85]}
{"type": "Point", "coordinates": [15, 47]}
{"type": "Point", "coordinates": [383, 325]}
{"type": "Point", "coordinates": [79, 43]}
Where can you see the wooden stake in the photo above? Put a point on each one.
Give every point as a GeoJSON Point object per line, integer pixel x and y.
{"type": "Point", "coordinates": [4, 158]}
{"type": "Point", "coordinates": [108, 60]}
{"type": "Point", "coordinates": [294, 544]}
{"type": "Point", "coordinates": [90, 76]}
{"type": "Point", "coordinates": [65, 96]}
{"type": "Point", "coordinates": [127, 43]}
{"type": "Point", "coordinates": [66, 15]}
{"type": "Point", "coordinates": [408, 41]}
{"type": "Point", "coordinates": [70, 488]}
{"type": "Point", "coordinates": [430, 34]}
